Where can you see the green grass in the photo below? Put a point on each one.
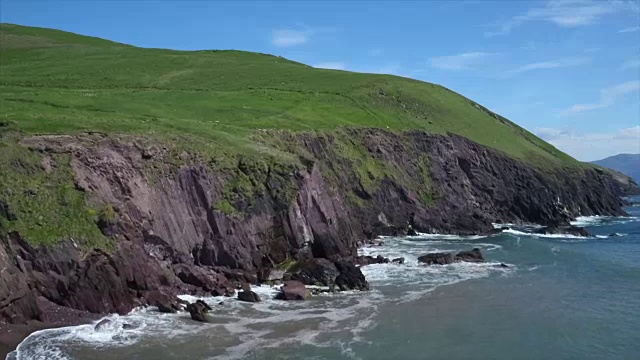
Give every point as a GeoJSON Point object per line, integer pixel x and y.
{"type": "Point", "coordinates": [45, 206]}
{"type": "Point", "coordinates": [57, 82]}
{"type": "Point", "coordinates": [213, 105]}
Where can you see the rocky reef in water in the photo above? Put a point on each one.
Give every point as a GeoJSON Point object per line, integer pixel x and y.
{"type": "Point", "coordinates": [198, 229]}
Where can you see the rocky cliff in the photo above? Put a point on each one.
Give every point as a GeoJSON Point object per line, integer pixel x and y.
{"type": "Point", "coordinates": [190, 226]}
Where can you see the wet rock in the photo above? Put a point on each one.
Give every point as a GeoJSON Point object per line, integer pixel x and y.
{"type": "Point", "coordinates": [368, 260]}
{"type": "Point", "coordinates": [270, 275]}
{"type": "Point", "coordinates": [127, 326]}
{"type": "Point", "coordinates": [164, 302]}
{"type": "Point", "coordinates": [293, 290]}
{"type": "Point", "coordinates": [614, 235]}
{"type": "Point", "coordinates": [203, 304]}
{"type": "Point", "coordinates": [201, 277]}
{"type": "Point", "coordinates": [437, 259]}
{"type": "Point", "coordinates": [248, 296]}
{"type": "Point", "coordinates": [411, 231]}
{"type": "Point", "coordinates": [399, 260]}
{"type": "Point", "coordinates": [223, 291]}
{"type": "Point", "coordinates": [563, 230]}
{"type": "Point", "coordinates": [503, 265]}
{"type": "Point", "coordinates": [198, 311]}
{"type": "Point", "coordinates": [101, 324]}
{"type": "Point", "coordinates": [469, 256]}
{"type": "Point", "coordinates": [350, 277]}
{"type": "Point", "coordinates": [316, 271]}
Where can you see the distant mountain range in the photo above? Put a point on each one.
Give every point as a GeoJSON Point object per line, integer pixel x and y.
{"type": "Point", "coordinates": [628, 164]}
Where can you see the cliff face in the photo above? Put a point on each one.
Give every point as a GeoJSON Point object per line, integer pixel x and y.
{"type": "Point", "coordinates": [193, 230]}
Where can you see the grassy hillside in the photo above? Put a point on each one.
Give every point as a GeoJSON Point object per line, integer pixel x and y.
{"type": "Point", "coordinates": [207, 102]}
{"type": "Point", "coordinates": [58, 82]}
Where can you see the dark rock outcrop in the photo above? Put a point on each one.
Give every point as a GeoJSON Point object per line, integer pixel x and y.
{"type": "Point", "coordinates": [368, 260]}
{"type": "Point", "coordinates": [350, 277]}
{"type": "Point", "coordinates": [566, 230]}
{"type": "Point", "coordinates": [164, 302]}
{"type": "Point", "coordinates": [442, 258]}
{"type": "Point", "coordinates": [469, 256]}
{"type": "Point", "coordinates": [270, 275]}
{"type": "Point", "coordinates": [102, 324]}
{"type": "Point", "coordinates": [316, 271]}
{"type": "Point", "coordinates": [171, 235]}
{"type": "Point", "coordinates": [199, 311]}
{"type": "Point", "coordinates": [293, 290]}
{"type": "Point", "coordinates": [248, 296]}
{"type": "Point", "coordinates": [399, 260]}
{"type": "Point", "coordinates": [436, 259]}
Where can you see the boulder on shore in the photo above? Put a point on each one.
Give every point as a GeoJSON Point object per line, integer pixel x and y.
{"type": "Point", "coordinates": [293, 290]}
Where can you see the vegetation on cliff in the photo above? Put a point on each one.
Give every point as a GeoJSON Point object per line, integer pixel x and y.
{"type": "Point", "coordinates": [219, 107]}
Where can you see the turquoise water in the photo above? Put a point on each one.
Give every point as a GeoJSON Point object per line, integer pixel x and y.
{"type": "Point", "coordinates": [560, 298]}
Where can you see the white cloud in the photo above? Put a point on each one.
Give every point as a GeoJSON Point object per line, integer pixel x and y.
{"type": "Point", "coordinates": [608, 97]}
{"type": "Point", "coordinates": [287, 38]}
{"type": "Point", "coordinates": [593, 146]}
{"type": "Point", "coordinates": [630, 64]}
{"type": "Point", "coordinates": [458, 62]}
{"type": "Point", "coordinates": [565, 13]}
{"type": "Point", "coordinates": [299, 35]}
{"type": "Point", "coordinates": [550, 65]}
{"type": "Point", "coordinates": [334, 65]}
{"type": "Point", "coordinates": [549, 133]}
{"type": "Point", "coordinates": [630, 29]}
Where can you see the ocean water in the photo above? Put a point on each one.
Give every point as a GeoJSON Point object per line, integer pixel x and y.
{"type": "Point", "coordinates": [562, 297]}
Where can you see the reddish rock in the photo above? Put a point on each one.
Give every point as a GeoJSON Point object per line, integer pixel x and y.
{"type": "Point", "coordinates": [293, 290]}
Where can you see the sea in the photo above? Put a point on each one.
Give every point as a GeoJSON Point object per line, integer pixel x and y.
{"type": "Point", "coordinates": [561, 297]}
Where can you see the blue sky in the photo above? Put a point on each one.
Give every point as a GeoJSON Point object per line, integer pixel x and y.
{"type": "Point", "coordinates": [567, 70]}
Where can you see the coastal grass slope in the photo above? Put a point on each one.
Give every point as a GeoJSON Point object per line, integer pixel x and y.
{"type": "Point", "coordinates": [58, 82]}
{"type": "Point", "coordinates": [215, 104]}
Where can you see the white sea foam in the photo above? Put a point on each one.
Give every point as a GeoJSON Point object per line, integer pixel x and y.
{"type": "Point", "coordinates": [566, 237]}
{"type": "Point", "coordinates": [240, 328]}
{"type": "Point", "coordinates": [421, 279]}
{"type": "Point", "coordinates": [447, 236]}
{"type": "Point", "coordinates": [501, 225]}
{"type": "Point", "coordinates": [603, 220]}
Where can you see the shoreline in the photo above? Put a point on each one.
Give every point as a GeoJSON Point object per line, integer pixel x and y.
{"type": "Point", "coordinates": [11, 335]}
